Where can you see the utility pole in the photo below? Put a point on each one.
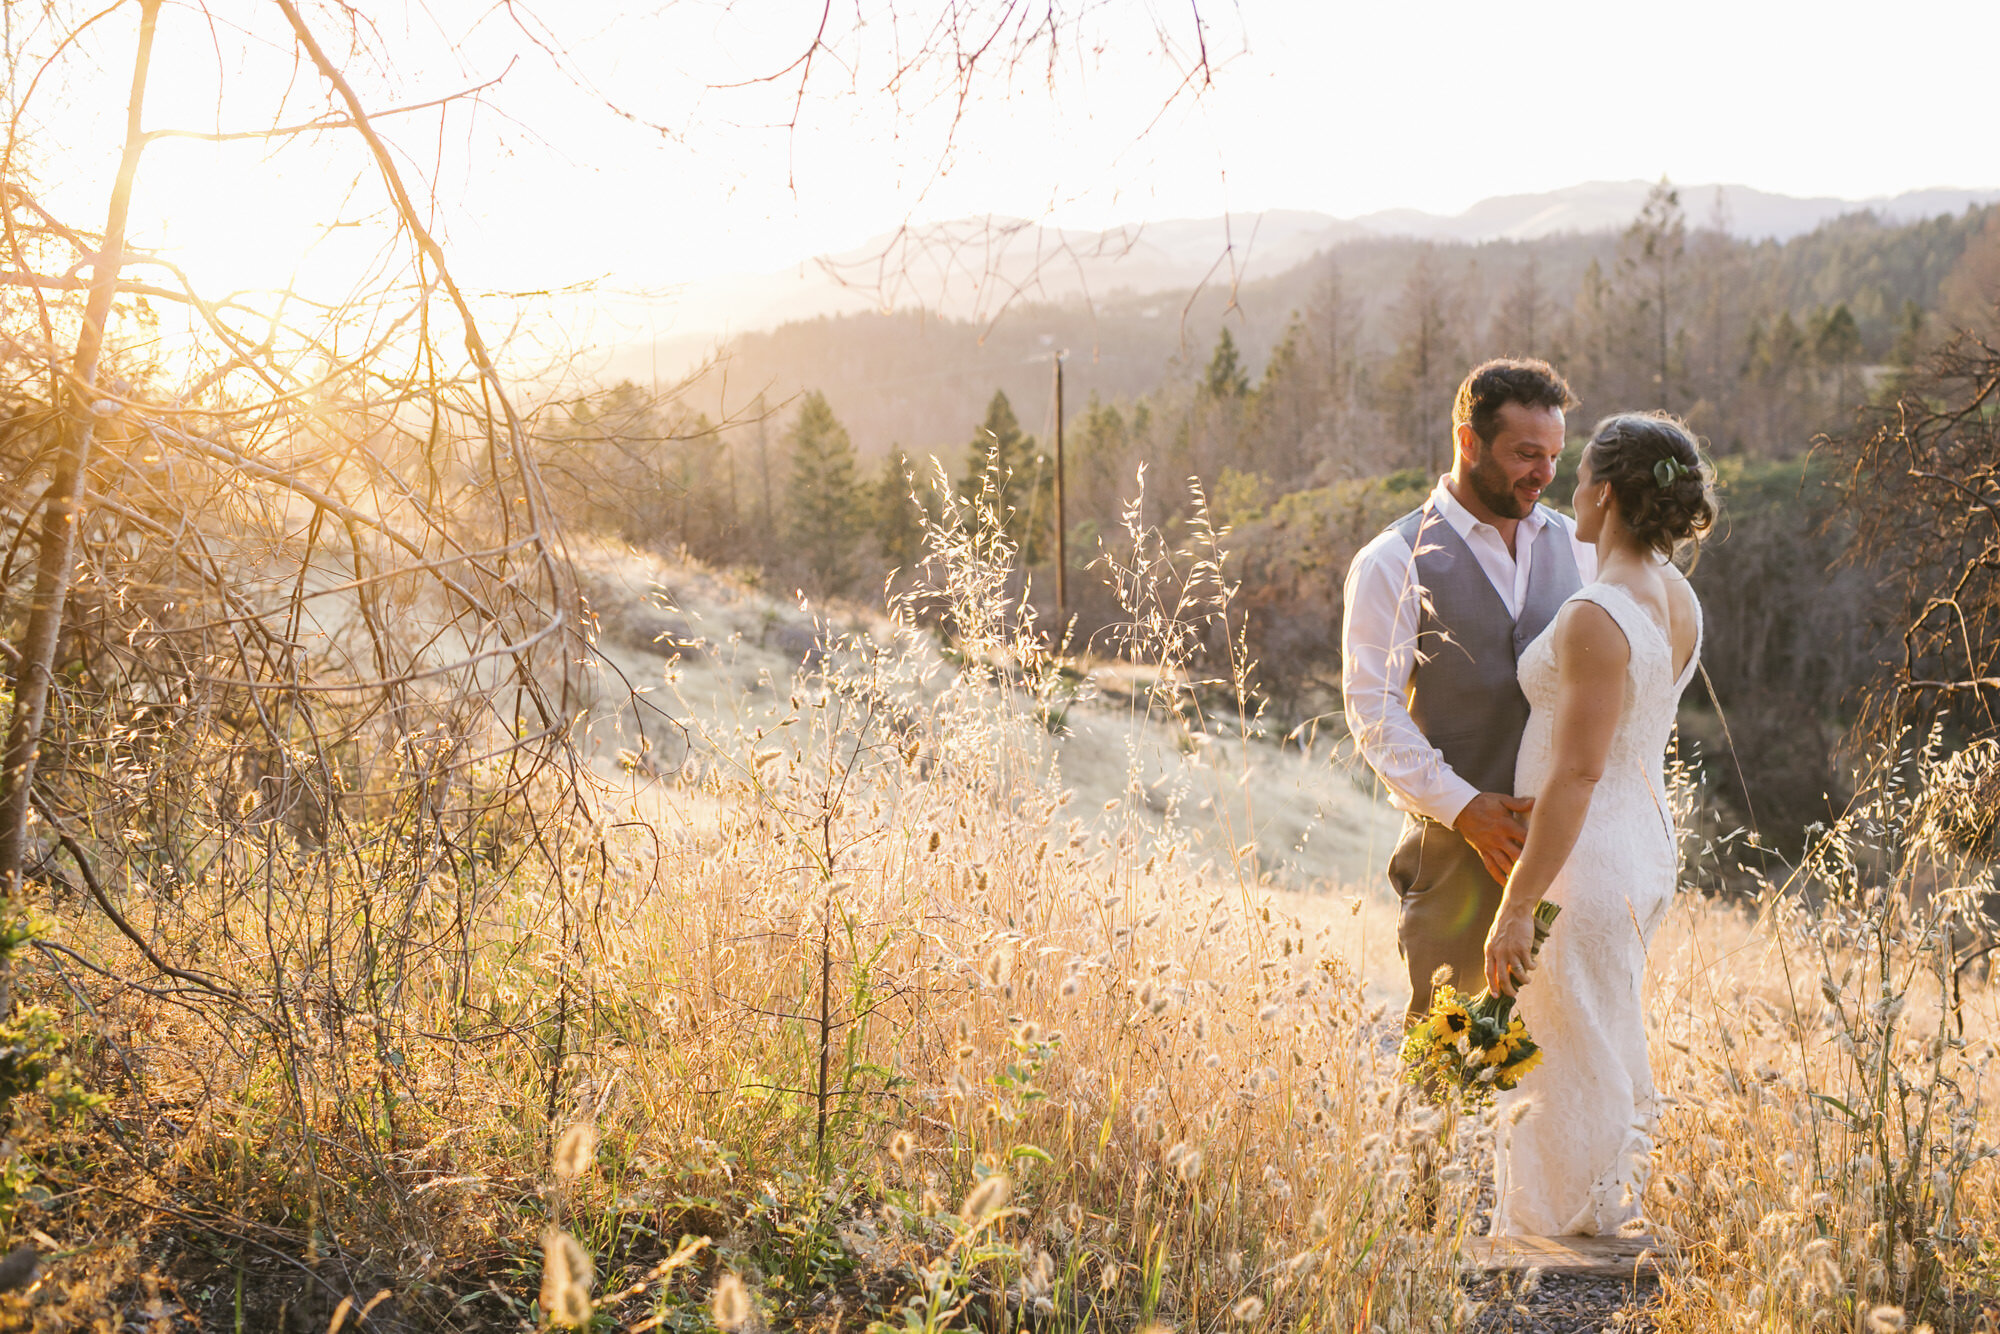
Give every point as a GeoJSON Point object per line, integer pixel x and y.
{"type": "Point", "coordinates": [1062, 529]}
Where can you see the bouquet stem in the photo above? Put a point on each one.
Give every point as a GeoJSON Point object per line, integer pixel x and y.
{"type": "Point", "coordinates": [1475, 1044]}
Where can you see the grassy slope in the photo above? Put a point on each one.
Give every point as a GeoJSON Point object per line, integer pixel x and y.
{"type": "Point", "coordinates": [1322, 835]}
{"type": "Point", "coordinates": [877, 940]}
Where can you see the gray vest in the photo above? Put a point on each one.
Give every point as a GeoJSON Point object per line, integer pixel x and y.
{"type": "Point", "coordinates": [1464, 696]}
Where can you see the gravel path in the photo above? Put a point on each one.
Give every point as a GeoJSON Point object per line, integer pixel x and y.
{"type": "Point", "coordinates": [1562, 1304]}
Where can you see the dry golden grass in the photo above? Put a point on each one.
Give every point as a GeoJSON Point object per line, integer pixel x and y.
{"type": "Point", "coordinates": [1826, 1153]}
{"type": "Point", "coordinates": [865, 1015]}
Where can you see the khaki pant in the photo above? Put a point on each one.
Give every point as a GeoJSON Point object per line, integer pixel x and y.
{"type": "Point", "coordinates": [1448, 905]}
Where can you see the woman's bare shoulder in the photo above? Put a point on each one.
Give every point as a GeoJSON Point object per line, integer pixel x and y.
{"type": "Point", "coordinates": [1588, 635]}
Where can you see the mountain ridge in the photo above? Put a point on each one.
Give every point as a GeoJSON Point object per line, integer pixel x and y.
{"type": "Point", "coordinates": [979, 268]}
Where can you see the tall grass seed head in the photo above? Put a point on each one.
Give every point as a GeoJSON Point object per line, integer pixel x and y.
{"type": "Point", "coordinates": [729, 1305]}
{"type": "Point", "coordinates": [987, 1198]}
{"type": "Point", "coordinates": [566, 1278]}
{"type": "Point", "coordinates": [576, 1152]}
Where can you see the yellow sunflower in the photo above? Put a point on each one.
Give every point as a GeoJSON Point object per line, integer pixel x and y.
{"type": "Point", "coordinates": [1451, 1021]}
{"type": "Point", "coordinates": [1510, 1075]}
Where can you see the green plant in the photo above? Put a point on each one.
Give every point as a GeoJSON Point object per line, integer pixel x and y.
{"type": "Point", "coordinates": [33, 1064]}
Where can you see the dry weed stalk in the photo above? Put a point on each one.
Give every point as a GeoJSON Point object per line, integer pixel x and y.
{"type": "Point", "coordinates": [1829, 1147]}
{"type": "Point", "coordinates": [291, 701]}
{"type": "Point", "coordinates": [360, 942]}
{"type": "Point", "coordinates": [1187, 1095]}
{"type": "Point", "coordinates": [877, 962]}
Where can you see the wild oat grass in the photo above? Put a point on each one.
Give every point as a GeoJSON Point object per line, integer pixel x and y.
{"type": "Point", "coordinates": [1826, 1159]}
{"type": "Point", "coordinates": [891, 1032]}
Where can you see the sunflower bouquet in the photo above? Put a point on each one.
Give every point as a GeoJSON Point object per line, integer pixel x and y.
{"type": "Point", "coordinates": [1474, 1044]}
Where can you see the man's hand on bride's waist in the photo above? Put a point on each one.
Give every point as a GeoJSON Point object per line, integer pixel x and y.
{"type": "Point", "coordinates": [1492, 823]}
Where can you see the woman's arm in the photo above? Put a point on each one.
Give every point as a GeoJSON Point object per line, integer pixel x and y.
{"type": "Point", "coordinates": [1591, 658]}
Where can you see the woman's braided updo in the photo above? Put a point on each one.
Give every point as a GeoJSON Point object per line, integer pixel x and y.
{"type": "Point", "coordinates": [1664, 488]}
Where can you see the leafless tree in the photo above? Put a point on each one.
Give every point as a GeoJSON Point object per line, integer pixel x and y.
{"type": "Point", "coordinates": [296, 545]}
{"type": "Point", "coordinates": [292, 637]}
{"type": "Point", "coordinates": [1922, 492]}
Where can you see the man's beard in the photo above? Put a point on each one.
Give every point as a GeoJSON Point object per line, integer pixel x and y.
{"type": "Point", "coordinates": [1490, 484]}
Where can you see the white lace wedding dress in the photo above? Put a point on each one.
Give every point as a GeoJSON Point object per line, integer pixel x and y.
{"type": "Point", "coordinates": [1576, 1159]}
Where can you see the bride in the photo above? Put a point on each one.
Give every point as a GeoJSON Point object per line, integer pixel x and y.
{"type": "Point", "coordinates": [1602, 682]}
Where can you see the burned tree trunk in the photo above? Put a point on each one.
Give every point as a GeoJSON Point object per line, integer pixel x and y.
{"type": "Point", "coordinates": [62, 504]}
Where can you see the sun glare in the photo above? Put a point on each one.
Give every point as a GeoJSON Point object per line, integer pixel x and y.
{"type": "Point", "coordinates": [236, 220]}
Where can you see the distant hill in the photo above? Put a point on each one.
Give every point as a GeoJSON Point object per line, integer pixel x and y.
{"type": "Point", "coordinates": [979, 269]}
{"type": "Point", "coordinates": [1595, 206]}
{"type": "Point", "coordinates": [922, 380]}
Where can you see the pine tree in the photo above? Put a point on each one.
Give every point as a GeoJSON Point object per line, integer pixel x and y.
{"type": "Point", "coordinates": [899, 512]}
{"type": "Point", "coordinates": [1334, 352]}
{"type": "Point", "coordinates": [1591, 364]}
{"type": "Point", "coordinates": [1428, 360]}
{"type": "Point", "coordinates": [1909, 344]}
{"type": "Point", "coordinates": [824, 501]}
{"type": "Point", "coordinates": [1102, 466]}
{"type": "Point", "coordinates": [1969, 296]}
{"type": "Point", "coordinates": [1277, 429]}
{"type": "Point", "coordinates": [1521, 328]}
{"type": "Point", "coordinates": [1836, 346]}
{"type": "Point", "coordinates": [1650, 262]}
{"type": "Point", "coordinates": [1021, 486]}
{"type": "Point", "coordinates": [1225, 377]}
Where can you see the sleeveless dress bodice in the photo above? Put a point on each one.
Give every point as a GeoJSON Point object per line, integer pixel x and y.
{"type": "Point", "coordinates": [1576, 1160]}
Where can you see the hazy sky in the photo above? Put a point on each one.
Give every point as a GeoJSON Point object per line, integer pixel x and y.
{"type": "Point", "coordinates": [627, 158]}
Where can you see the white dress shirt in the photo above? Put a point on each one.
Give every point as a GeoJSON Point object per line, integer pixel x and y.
{"type": "Point", "coordinates": [1378, 642]}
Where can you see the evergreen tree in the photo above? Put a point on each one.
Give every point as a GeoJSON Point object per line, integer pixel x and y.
{"type": "Point", "coordinates": [612, 465]}
{"type": "Point", "coordinates": [1775, 356]}
{"type": "Point", "coordinates": [1334, 354]}
{"type": "Point", "coordinates": [705, 499]}
{"type": "Point", "coordinates": [824, 501]}
{"type": "Point", "coordinates": [1590, 362]}
{"type": "Point", "coordinates": [1428, 361]}
{"type": "Point", "coordinates": [900, 512]}
{"type": "Point", "coordinates": [1784, 346]}
{"type": "Point", "coordinates": [1650, 261]}
{"type": "Point", "coordinates": [1225, 377]}
{"type": "Point", "coordinates": [1283, 412]}
{"type": "Point", "coordinates": [1521, 327]}
{"type": "Point", "coordinates": [1969, 296]}
{"type": "Point", "coordinates": [1715, 302]}
{"type": "Point", "coordinates": [1909, 344]}
{"type": "Point", "coordinates": [1005, 460]}
{"type": "Point", "coordinates": [1836, 346]}
{"type": "Point", "coordinates": [1101, 468]}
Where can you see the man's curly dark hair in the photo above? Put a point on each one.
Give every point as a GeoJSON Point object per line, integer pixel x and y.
{"type": "Point", "coordinates": [1494, 384]}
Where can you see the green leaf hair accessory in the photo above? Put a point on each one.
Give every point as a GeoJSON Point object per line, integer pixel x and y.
{"type": "Point", "coordinates": [1669, 470]}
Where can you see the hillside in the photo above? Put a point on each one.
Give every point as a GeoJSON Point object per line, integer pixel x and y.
{"type": "Point", "coordinates": [717, 658]}
{"type": "Point", "coordinates": [980, 269]}
{"type": "Point", "coordinates": [922, 381]}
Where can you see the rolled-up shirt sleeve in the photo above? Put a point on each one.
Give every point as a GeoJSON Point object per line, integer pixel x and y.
{"type": "Point", "coordinates": [1378, 652]}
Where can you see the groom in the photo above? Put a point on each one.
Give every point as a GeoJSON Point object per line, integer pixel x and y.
{"type": "Point", "coordinates": [1438, 609]}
